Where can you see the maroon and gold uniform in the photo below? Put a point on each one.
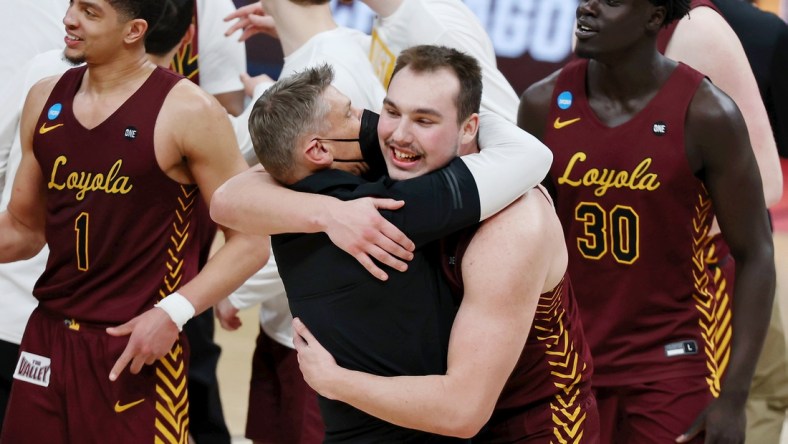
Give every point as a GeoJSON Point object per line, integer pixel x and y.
{"type": "Point", "coordinates": [121, 237]}
{"type": "Point", "coordinates": [636, 220]}
{"type": "Point", "coordinates": [548, 396]}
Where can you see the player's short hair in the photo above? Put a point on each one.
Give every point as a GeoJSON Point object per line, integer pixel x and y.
{"type": "Point", "coordinates": [171, 27]}
{"type": "Point", "coordinates": [148, 10]}
{"type": "Point", "coordinates": [674, 9]}
{"type": "Point", "coordinates": [290, 109]}
{"type": "Point", "coordinates": [431, 58]}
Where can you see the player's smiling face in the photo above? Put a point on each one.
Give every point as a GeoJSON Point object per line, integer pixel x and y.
{"type": "Point", "coordinates": [418, 127]}
{"type": "Point", "coordinates": [609, 26]}
{"type": "Point", "coordinates": [93, 28]}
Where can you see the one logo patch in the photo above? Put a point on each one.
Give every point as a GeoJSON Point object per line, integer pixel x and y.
{"type": "Point", "coordinates": [565, 100]}
{"type": "Point", "coordinates": [558, 124]}
{"type": "Point", "coordinates": [33, 369]}
{"type": "Point", "coordinates": [682, 348]}
{"type": "Point", "coordinates": [660, 128]}
{"type": "Point", "coordinates": [120, 408]}
{"type": "Point", "coordinates": [54, 111]}
{"type": "Point", "coordinates": [45, 129]}
{"type": "Point", "coordinates": [130, 133]}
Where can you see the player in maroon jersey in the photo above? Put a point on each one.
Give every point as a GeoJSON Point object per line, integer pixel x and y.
{"type": "Point", "coordinates": [643, 146]}
{"type": "Point", "coordinates": [113, 154]}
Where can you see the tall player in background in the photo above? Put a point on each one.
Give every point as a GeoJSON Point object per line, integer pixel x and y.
{"type": "Point", "coordinates": [633, 153]}
{"type": "Point", "coordinates": [111, 41]}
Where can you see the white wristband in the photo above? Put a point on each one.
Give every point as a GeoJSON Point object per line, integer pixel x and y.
{"type": "Point", "coordinates": [178, 308]}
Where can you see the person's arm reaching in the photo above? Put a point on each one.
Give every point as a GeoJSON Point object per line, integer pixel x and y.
{"type": "Point", "coordinates": [253, 202]}
{"type": "Point", "coordinates": [511, 162]}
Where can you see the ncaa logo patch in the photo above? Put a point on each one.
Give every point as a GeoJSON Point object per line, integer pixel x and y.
{"type": "Point", "coordinates": [54, 111]}
{"type": "Point", "coordinates": [565, 100]}
{"type": "Point", "coordinates": [130, 133]}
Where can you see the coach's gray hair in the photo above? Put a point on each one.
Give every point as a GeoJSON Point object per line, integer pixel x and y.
{"type": "Point", "coordinates": [289, 110]}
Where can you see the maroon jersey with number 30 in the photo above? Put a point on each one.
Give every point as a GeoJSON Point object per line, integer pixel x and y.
{"type": "Point", "coordinates": [119, 230]}
{"type": "Point", "coordinates": [635, 219]}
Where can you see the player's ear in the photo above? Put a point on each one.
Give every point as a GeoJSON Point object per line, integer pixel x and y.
{"type": "Point", "coordinates": [135, 31]}
{"type": "Point", "coordinates": [656, 18]}
{"type": "Point", "coordinates": [188, 36]}
{"type": "Point", "coordinates": [469, 129]}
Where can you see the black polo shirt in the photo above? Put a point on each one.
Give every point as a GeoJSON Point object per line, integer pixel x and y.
{"type": "Point", "coordinates": [392, 328]}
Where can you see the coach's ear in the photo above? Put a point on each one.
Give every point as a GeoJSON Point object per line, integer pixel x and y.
{"type": "Point", "coordinates": [317, 154]}
{"type": "Point", "coordinates": [469, 129]}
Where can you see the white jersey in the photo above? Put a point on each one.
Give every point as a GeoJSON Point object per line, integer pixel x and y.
{"type": "Point", "coordinates": [17, 278]}
{"type": "Point", "coordinates": [28, 28]}
{"type": "Point", "coordinates": [345, 51]}
{"type": "Point", "coordinates": [222, 59]}
{"type": "Point", "coordinates": [447, 23]}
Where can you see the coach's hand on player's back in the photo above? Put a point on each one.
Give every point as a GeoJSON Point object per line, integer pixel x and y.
{"type": "Point", "coordinates": [151, 336]}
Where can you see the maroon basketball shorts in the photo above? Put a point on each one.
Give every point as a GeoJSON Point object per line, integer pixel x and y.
{"type": "Point", "coordinates": [574, 420]}
{"type": "Point", "coordinates": [62, 393]}
{"type": "Point", "coordinates": [654, 412]}
{"type": "Point", "coordinates": [282, 407]}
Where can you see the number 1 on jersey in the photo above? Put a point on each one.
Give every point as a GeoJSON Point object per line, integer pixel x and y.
{"type": "Point", "coordinates": [81, 229]}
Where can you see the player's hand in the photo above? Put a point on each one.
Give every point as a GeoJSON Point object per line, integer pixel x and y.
{"type": "Point", "coordinates": [227, 315]}
{"type": "Point", "coordinates": [251, 82]}
{"type": "Point", "coordinates": [316, 362]}
{"type": "Point", "coordinates": [253, 20]}
{"type": "Point", "coordinates": [357, 227]}
{"type": "Point", "coordinates": [723, 420]}
{"type": "Point", "coordinates": [152, 335]}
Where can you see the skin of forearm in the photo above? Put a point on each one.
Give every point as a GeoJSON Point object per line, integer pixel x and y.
{"type": "Point", "coordinates": [756, 279]}
{"type": "Point", "coordinates": [18, 242]}
{"type": "Point", "coordinates": [383, 8]}
{"type": "Point", "coordinates": [433, 403]}
{"type": "Point", "coordinates": [237, 260]}
{"type": "Point", "coordinates": [254, 203]}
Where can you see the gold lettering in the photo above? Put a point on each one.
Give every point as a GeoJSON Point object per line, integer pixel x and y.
{"type": "Point", "coordinates": [581, 157]}
{"type": "Point", "coordinates": [639, 179]}
{"type": "Point", "coordinates": [111, 183]}
{"type": "Point", "coordinates": [61, 160]}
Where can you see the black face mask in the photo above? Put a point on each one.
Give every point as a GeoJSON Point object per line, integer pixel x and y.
{"type": "Point", "coordinates": [370, 147]}
{"type": "Point", "coordinates": [367, 137]}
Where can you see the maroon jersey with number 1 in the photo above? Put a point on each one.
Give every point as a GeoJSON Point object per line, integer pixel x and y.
{"type": "Point", "coordinates": [635, 219]}
{"type": "Point", "coordinates": [119, 230]}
